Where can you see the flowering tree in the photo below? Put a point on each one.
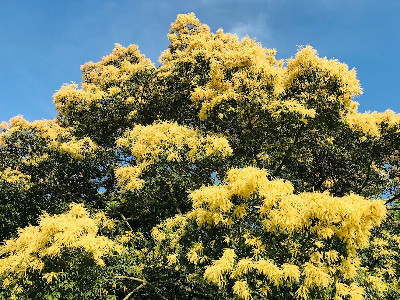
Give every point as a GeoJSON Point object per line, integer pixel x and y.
{"type": "Point", "coordinates": [227, 173]}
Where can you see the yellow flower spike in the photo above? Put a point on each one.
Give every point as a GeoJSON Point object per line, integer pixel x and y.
{"type": "Point", "coordinates": [270, 270]}
{"type": "Point", "coordinates": [243, 267]}
{"type": "Point", "coordinates": [290, 272]}
{"type": "Point", "coordinates": [195, 253]}
{"type": "Point", "coordinates": [316, 276]}
{"type": "Point", "coordinates": [172, 259]}
{"type": "Point", "coordinates": [241, 289]}
{"type": "Point", "coordinates": [356, 292]}
{"type": "Point", "coordinates": [216, 271]}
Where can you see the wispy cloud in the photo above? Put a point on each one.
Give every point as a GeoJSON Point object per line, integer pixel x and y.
{"type": "Point", "coordinates": [255, 28]}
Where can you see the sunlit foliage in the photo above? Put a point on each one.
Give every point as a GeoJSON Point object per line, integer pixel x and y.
{"type": "Point", "coordinates": [267, 242]}
{"type": "Point", "coordinates": [166, 142]}
{"type": "Point", "coordinates": [51, 253]}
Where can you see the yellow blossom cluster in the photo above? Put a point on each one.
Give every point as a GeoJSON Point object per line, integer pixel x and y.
{"type": "Point", "coordinates": [36, 245]}
{"type": "Point", "coordinates": [195, 254]}
{"type": "Point", "coordinates": [291, 106]}
{"type": "Point", "coordinates": [241, 289]}
{"type": "Point", "coordinates": [213, 204]}
{"type": "Point", "coordinates": [307, 63]}
{"type": "Point", "coordinates": [239, 70]}
{"type": "Point", "coordinates": [350, 218]}
{"type": "Point", "coordinates": [53, 137]}
{"type": "Point", "coordinates": [316, 217]}
{"type": "Point", "coordinates": [70, 94]}
{"type": "Point", "coordinates": [242, 73]}
{"type": "Point", "coordinates": [166, 141]}
{"type": "Point", "coordinates": [371, 123]}
{"type": "Point", "coordinates": [128, 59]}
{"type": "Point", "coordinates": [108, 80]}
{"type": "Point", "coordinates": [219, 267]}
{"type": "Point", "coordinates": [15, 177]}
{"type": "Point", "coordinates": [385, 250]}
{"type": "Point", "coordinates": [170, 232]}
{"type": "Point", "coordinates": [318, 74]}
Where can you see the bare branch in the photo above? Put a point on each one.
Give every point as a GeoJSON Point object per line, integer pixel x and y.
{"type": "Point", "coordinates": [144, 282]}
{"type": "Point", "coordinates": [126, 221]}
{"type": "Point", "coordinates": [395, 197]}
{"type": "Point", "coordinates": [132, 278]}
{"type": "Point", "coordinates": [134, 291]}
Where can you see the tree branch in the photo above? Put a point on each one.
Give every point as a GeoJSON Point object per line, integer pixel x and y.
{"type": "Point", "coordinates": [395, 197]}
{"type": "Point", "coordinates": [134, 291]}
{"type": "Point", "coordinates": [393, 208]}
{"type": "Point", "coordinates": [144, 282]}
{"type": "Point", "coordinates": [126, 221]}
{"type": "Point", "coordinates": [132, 278]}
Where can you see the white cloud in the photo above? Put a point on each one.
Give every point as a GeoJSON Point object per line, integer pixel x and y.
{"type": "Point", "coordinates": [256, 28]}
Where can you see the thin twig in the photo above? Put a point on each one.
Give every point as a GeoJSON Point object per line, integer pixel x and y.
{"type": "Point", "coordinates": [126, 222]}
{"type": "Point", "coordinates": [134, 291]}
{"type": "Point", "coordinates": [392, 199]}
{"type": "Point", "coordinates": [393, 208]}
{"type": "Point", "coordinates": [145, 282]}
{"type": "Point", "coordinates": [132, 278]}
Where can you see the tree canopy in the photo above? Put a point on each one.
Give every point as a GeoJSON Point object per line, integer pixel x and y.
{"type": "Point", "coordinates": [221, 173]}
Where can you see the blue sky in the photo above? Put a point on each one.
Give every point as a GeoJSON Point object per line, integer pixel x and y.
{"type": "Point", "coordinates": [44, 43]}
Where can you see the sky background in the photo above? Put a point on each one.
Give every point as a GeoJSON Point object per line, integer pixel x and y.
{"type": "Point", "coordinates": [44, 43]}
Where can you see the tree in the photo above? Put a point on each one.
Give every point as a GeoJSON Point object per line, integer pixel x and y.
{"type": "Point", "coordinates": [227, 173]}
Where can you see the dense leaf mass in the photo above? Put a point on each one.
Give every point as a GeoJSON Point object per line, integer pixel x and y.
{"type": "Point", "coordinates": [222, 173]}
